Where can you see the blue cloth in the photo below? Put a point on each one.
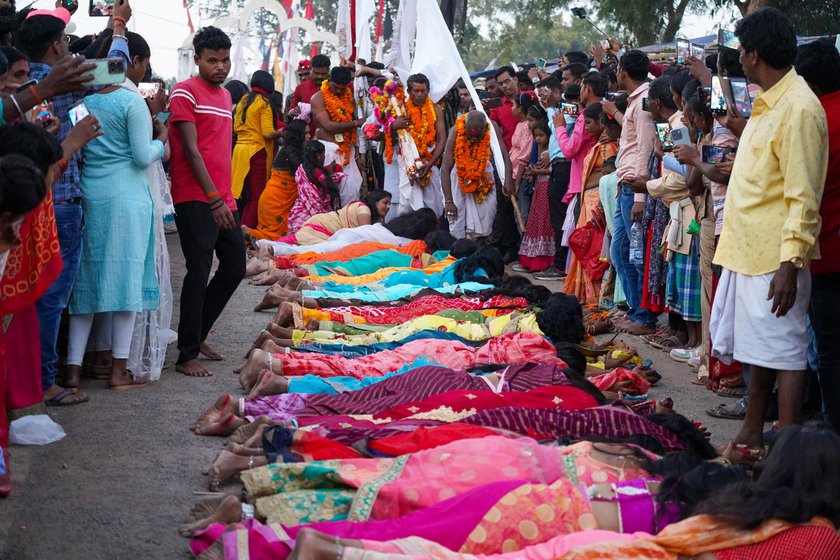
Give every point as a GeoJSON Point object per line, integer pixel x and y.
{"type": "Point", "coordinates": [392, 293]}
{"type": "Point", "coordinates": [68, 221]}
{"type": "Point", "coordinates": [554, 150]}
{"type": "Point", "coordinates": [67, 187]}
{"type": "Point", "coordinates": [631, 275]}
{"type": "Point", "coordinates": [672, 164]}
{"type": "Point", "coordinates": [316, 385]}
{"type": "Point", "coordinates": [2, 463]}
{"type": "Point", "coordinates": [363, 350]}
{"type": "Point", "coordinates": [118, 270]}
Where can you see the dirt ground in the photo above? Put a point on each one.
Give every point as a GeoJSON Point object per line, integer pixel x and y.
{"type": "Point", "coordinates": [124, 478]}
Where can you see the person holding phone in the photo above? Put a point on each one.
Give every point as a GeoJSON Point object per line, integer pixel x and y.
{"type": "Point", "coordinates": [42, 38]}
{"type": "Point", "coordinates": [205, 210]}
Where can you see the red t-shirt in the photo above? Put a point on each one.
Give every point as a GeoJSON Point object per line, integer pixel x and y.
{"type": "Point", "coordinates": [303, 94]}
{"type": "Point", "coordinates": [830, 206]}
{"type": "Point", "coordinates": [503, 116]}
{"type": "Point", "coordinates": [208, 107]}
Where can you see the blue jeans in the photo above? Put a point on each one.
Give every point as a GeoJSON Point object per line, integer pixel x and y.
{"type": "Point", "coordinates": [825, 309]}
{"type": "Point", "coordinates": [630, 275]}
{"type": "Point", "coordinates": [69, 221]}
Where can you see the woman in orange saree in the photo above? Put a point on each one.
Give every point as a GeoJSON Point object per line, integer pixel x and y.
{"type": "Point", "coordinates": [578, 282]}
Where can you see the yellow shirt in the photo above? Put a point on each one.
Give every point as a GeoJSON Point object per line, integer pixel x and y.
{"type": "Point", "coordinates": [250, 139]}
{"type": "Point", "coordinates": [773, 200]}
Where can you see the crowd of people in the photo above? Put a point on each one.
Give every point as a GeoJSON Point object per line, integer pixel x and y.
{"type": "Point", "coordinates": [415, 394]}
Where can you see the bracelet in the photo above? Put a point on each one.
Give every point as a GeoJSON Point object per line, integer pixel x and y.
{"type": "Point", "coordinates": [214, 207]}
{"type": "Point", "coordinates": [339, 550]}
{"type": "Point", "coordinates": [117, 20]}
{"type": "Point", "coordinates": [17, 106]}
{"type": "Point", "coordinates": [118, 36]}
{"type": "Point", "coordinates": [211, 194]}
{"type": "Point", "coordinates": [270, 362]}
{"type": "Point", "coordinates": [34, 93]}
{"type": "Point", "coordinates": [63, 164]}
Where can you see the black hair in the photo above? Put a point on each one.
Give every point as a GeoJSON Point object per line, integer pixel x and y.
{"type": "Point", "coordinates": [4, 64]}
{"type": "Point", "coordinates": [375, 65]}
{"type": "Point", "coordinates": [635, 64]}
{"type": "Point", "coordinates": [22, 185]}
{"type": "Point", "coordinates": [609, 73]}
{"type": "Point", "coordinates": [371, 199]}
{"type": "Point", "coordinates": [551, 82]}
{"type": "Point", "coordinates": [37, 34]}
{"type": "Point", "coordinates": [730, 61]}
{"type": "Point", "coordinates": [593, 111]}
{"type": "Point", "coordinates": [32, 142]}
{"type": "Point", "coordinates": [699, 106]}
{"type": "Point", "coordinates": [610, 161]}
{"type": "Point", "coordinates": [818, 63]}
{"type": "Point", "coordinates": [687, 480]}
{"type": "Point", "coordinates": [262, 80]}
{"type": "Point", "coordinates": [524, 80]}
{"type": "Point", "coordinates": [543, 125]}
{"type": "Point", "coordinates": [596, 82]}
{"type": "Point", "coordinates": [320, 61]}
{"type": "Point", "coordinates": [275, 101]}
{"type": "Point", "coordinates": [487, 258]}
{"type": "Point", "coordinates": [536, 111]}
{"type": "Point", "coordinates": [679, 81]}
{"type": "Point", "coordinates": [769, 33]}
{"type": "Point", "coordinates": [290, 155]}
{"type": "Point", "coordinates": [525, 101]}
{"type": "Point", "coordinates": [418, 79]}
{"type": "Point", "coordinates": [341, 75]}
{"type": "Point", "coordinates": [504, 70]}
{"type": "Point", "coordinates": [310, 163]}
{"type": "Point", "coordinates": [439, 240]}
{"type": "Point", "coordinates": [137, 46]}
{"type": "Point", "coordinates": [463, 248]}
{"type": "Point", "coordinates": [796, 482]}
{"type": "Point", "coordinates": [12, 55]}
{"type": "Point", "coordinates": [518, 286]}
{"type": "Point", "coordinates": [576, 69]}
{"type": "Point", "coordinates": [210, 38]}
{"type": "Point", "coordinates": [572, 92]}
{"type": "Point", "coordinates": [660, 90]}
{"type": "Point", "coordinates": [577, 57]}
{"type": "Point", "coordinates": [609, 121]}
{"type": "Point", "coordinates": [414, 225]}
{"type": "Point", "coordinates": [689, 434]}
{"type": "Point", "coordinates": [690, 90]}
{"type": "Point", "coordinates": [78, 45]}
{"type": "Point", "coordinates": [561, 319]}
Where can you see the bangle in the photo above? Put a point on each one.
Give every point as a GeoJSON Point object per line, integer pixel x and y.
{"type": "Point", "coordinates": [118, 36]}
{"type": "Point", "coordinates": [63, 164]}
{"type": "Point", "coordinates": [218, 204]}
{"type": "Point", "coordinates": [117, 20]}
{"type": "Point", "coordinates": [34, 93]}
{"type": "Point", "coordinates": [211, 194]}
{"type": "Point", "coordinates": [17, 106]}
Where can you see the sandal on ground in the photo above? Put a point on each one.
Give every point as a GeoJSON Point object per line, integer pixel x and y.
{"type": "Point", "coordinates": [58, 399]}
{"type": "Point", "coordinates": [735, 411]}
{"type": "Point", "coordinates": [135, 384]}
{"type": "Point", "coordinates": [732, 392]}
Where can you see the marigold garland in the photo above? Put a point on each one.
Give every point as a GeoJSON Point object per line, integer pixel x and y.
{"type": "Point", "coordinates": [471, 162]}
{"type": "Point", "coordinates": [422, 127]}
{"type": "Point", "coordinates": [385, 115]}
{"type": "Point", "coordinates": [341, 110]}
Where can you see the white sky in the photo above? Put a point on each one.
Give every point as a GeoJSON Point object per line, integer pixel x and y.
{"type": "Point", "coordinates": [163, 23]}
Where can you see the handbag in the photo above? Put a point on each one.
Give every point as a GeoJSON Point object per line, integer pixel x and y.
{"type": "Point", "coordinates": [586, 243]}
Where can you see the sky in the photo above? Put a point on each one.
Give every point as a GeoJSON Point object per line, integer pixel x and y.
{"type": "Point", "coordinates": [163, 23]}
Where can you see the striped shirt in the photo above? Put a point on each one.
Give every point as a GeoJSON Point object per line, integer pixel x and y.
{"type": "Point", "coordinates": [208, 107]}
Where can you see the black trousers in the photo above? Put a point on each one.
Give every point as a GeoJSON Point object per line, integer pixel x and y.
{"type": "Point", "coordinates": [558, 185]}
{"type": "Point", "coordinates": [202, 303]}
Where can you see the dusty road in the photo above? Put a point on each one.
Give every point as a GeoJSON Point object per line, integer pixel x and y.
{"type": "Point", "coordinates": [123, 479]}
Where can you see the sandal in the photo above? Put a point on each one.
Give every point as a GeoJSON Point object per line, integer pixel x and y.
{"type": "Point", "coordinates": [58, 399]}
{"type": "Point", "coordinates": [732, 392]}
{"type": "Point", "coordinates": [735, 411]}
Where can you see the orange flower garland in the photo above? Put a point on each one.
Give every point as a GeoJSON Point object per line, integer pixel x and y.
{"type": "Point", "coordinates": [471, 162]}
{"type": "Point", "coordinates": [341, 110]}
{"type": "Point", "coordinates": [422, 127]}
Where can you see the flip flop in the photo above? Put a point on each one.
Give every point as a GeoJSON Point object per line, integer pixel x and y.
{"type": "Point", "coordinates": [732, 392]}
{"type": "Point", "coordinates": [129, 386]}
{"type": "Point", "coordinates": [58, 399]}
{"type": "Point", "coordinates": [727, 412]}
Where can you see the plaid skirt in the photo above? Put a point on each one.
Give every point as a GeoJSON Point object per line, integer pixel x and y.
{"type": "Point", "coordinates": [684, 283]}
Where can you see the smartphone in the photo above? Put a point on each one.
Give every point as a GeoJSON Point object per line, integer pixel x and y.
{"type": "Point", "coordinates": [741, 96]}
{"type": "Point", "coordinates": [70, 5]}
{"type": "Point", "coordinates": [559, 53]}
{"type": "Point", "coordinates": [614, 96]}
{"type": "Point", "coordinates": [605, 43]}
{"type": "Point", "coordinates": [646, 104]}
{"type": "Point", "coordinates": [728, 39]}
{"type": "Point", "coordinates": [163, 117]}
{"type": "Point", "coordinates": [663, 130]}
{"type": "Point", "coordinates": [149, 89]}
{"type": "Point", "coordinates": [716, 154]}
{"type": "Point", "coordinates": [683, 50]}
{"type": "Point", "coordinates": [569, 109]}
{"type": "Point", "coordinates": [492, 103]}
{"type": "Point", "coordinates": [43, 114]}
{"type": "Point", "coordinates": [26, 86]}
{"type": "Point", "coordinates": [718, 101]}
{"type": "Point", "coordinates": [77, 112]}
{"type": "Point", "coordinates": [541, 62]}
{"type": "Point", "coordinates": [101, 8]}
{"type": "Point", "coordinates": [698, 51]}
{"type": "Point", "coordinates": [108, 71]}
{"type": "Point", "coordinates": [680, 136]}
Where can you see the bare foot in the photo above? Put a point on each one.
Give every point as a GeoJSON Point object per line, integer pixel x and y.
{"type": "Point", "coordinates": [284, 315]}
{"type": "Point", "coordinates": [269, 384]}
{"type": "Point", "coordinates": [257, 361]}
{"type": "Point", "coordinates": [72, 377]}
{"type": "Point", "coordinates": [278, 346]}
{"type": "Point", "coordinates": [314, 545]}
{"type": "Point", "coordinates": [223, 406]}
{"type": "Point", "coordinates": [121, 379]}
{"type": "Point", "coordinates": [220, 426]}
{"type": "Point", "coordinates": [270, 301]}
{"type": "Point", "coordinates": [255, 266]}
{"type": "Point", "coordinates": [228, 465]}
{"type": "Point", "coordinates": [269, 278]}
{"type": "Point", "coordinates": [215, 551]}
{"type": "Point", "coordinates": [229, 511]}
{"type": "Point", "coordinates": [193, 368]}
{"type": "Point", "coordinates": [244, 451]}
{"type": "Point", "coordinates": [261, 339]}
{"type": "Point", "coordinates": [243, 434]}
{"type": "Point", "coordinates": [638, 329]}
{"type": "Point", "coordinates": [209, 353]}
{"type": "Point", "coordinates": [207, 506]}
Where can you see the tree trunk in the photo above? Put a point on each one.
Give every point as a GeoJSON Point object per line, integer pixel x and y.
{"type": "Point", "coordinates": [675, 18]}
{"type": "Point", "coordinates": [753, 5]}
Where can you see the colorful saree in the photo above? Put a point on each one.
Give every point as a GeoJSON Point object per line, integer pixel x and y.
{"type": "Point", "coordinates": [321, 227]}
{"type": "Point", "coordinates": [275, 204]}
{"type": "Point", "coordinates": [355, 250]}
{"type": "Point", "coordinates": [426, 305]}
{"type": "Point", "coordinates": [380, 274]}
{"type": "Point", "coordinates": [311, 200]}
{"type": "Point", "coordinates": [515, 348]}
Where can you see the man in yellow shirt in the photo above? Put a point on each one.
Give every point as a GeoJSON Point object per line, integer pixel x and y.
{"type": "Point", "coordinates": [770, 226]}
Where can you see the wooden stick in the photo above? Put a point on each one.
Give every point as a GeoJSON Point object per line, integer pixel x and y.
{"type": "Point", "coordinates": [517, 213]}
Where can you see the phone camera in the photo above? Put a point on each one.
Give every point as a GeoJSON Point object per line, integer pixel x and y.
{"type": "Point", "coordinates": [115, 66]}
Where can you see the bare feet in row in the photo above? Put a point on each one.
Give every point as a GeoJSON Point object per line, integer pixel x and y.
{"type": "Point", "coordinates": [258, 361]}
{"type": "Point", "coordinates": [220, 419]}
{"type": "Point", "coordinates": [193, 368]}
{"type": "Point", "coordinates": [269, 384]}
{"type": "Point", "coordinates": [632, 327]}
{"type": "Point", "coordinates": [244, 435]}
{"type": "Point", "coordinates": [255, 266]}
{"type": "Point", "coordinates": [314, 545]}
{"type": "Point", "coordinates": [228, 465]}
{"type": "Point", "coordinates": [284, 315]}
{"type": "Point", "coordinates": [228, 511]}
{"type": "Point", "coordinates": [209, 353]}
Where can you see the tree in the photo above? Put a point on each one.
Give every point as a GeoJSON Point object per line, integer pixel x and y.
{"type": "Point", "coordinates": [646, 22]}
{"type": "Point", "coordinates": [811, 17]}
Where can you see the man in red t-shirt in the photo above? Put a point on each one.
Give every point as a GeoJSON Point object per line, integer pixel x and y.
{"type": "Point", "coordinates": [205, 211]}
{"type": "Point", "coordinates": [307, 88]}
{"type": "Point", "coordinates": [503, 115]}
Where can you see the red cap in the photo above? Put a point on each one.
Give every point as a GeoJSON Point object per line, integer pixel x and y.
{"type": "Point", "coordinates": [58, 13]}
{"type": "Point", "coordinates": [304, 64]}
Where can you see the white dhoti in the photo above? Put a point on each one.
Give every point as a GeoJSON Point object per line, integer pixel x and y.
{"type": "Point", "coordinates": [474, 220]}
{"type": "Point", "coordinates": [415, 197]}
{"type": "Point", "coordinates": [743, 328]}
{"type": "Point", "coordinates": [348, 190]}
{"type": "Point", "coordinates": [392, 185]}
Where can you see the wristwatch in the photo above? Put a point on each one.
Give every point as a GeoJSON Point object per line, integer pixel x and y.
{"type": "Point", "coordinates": [798, 263]}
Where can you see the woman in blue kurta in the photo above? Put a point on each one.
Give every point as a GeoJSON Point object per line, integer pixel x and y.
{"type": "Point", "coordinates": [117, 269]}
